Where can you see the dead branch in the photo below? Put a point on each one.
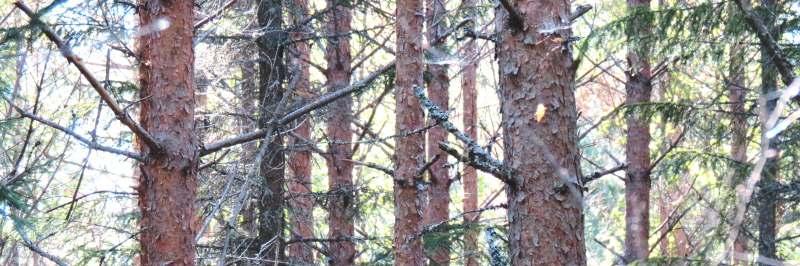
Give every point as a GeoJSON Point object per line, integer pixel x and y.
{"type": "Point", "coordinates": [214, 15]}
{"type": "Point", "coordinates": [90, 144]}
{"type": "Point", "coordinates": [579, 11]}
{"type": "Point", "coordinates": [105, 95]}
{"type": "Point", "coordinates": [289, 117]}
{"type": "Point", "coordinates": [477, 156]}
{"type": "Point", "coordinates": [597, 175]}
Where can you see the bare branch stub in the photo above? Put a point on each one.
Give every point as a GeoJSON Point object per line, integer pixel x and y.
{"type": "Point", "coordinates": [579, 11]}
{"type": "Point", "coordinates": [515, 20]}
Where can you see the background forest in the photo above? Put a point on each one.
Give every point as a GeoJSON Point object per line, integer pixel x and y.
{"type": "Point", "coordinates": [401, 132]}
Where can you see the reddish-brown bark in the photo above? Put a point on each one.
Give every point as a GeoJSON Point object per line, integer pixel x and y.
{"type": "Point", "coordinates": [663, 214]}
{"type": "Point", "coordinates": [168, 179]}
{"type": "Point", "coordinates": [410, 149]}
{"type": "Point", "coordinates": [736, 96]}
{"type": "Point", "coordinates": [637, 149]}
{"type": "Point", "coordinates": [544, 197]}
{"type": "Point", "coordinates": [469, 178]}
{"type": "Point", "coordinates": [438, 83]}
{"type": "Point", "coordinates": [340, 167]}
{"type": "Point", "coordinates": [301, 202]}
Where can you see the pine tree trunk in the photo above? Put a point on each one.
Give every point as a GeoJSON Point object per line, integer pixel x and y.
{"type": "Point", "coordinates": [272, 71]}
{"type": "Point", "coordinates": [301, 202]}
{"type": "Point", "coordinates": [766, 201]}
{"type": "Point", "coordinates": [539, 134]}
{"type": "Point", "coordinates": [409, 149]}
{"type": "Point", "coordinates": [737, 93]}
{"type": "Point", "coordinates": [438, 83]}
{"type": "Point", "coordinates": [168, 180]}
{"type": "Point", "coordinates": [637, 179]}
{"type": "Point", "coordinates": [340, 168]}
{"type": "Point", "coordinates": [470, 176]}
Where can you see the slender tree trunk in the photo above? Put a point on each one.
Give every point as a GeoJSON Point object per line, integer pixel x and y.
{"type": "Point", "coordinates": [470, 177]}
{"type": "Point", "coordinates": [766, 201]}
{"type": "Point", "coordinates": [247, 100]}
{"type": "Point", "coordinates": [340, 167]}
{"type": "Point", "coordinates": [637, 180]}
{"type": "Point", "coordinates": [438, 83]}
{"type": "Point", "coordinates": [737, 93]}
{"type": "Point", "coordinates": [539, 134]}
{"type": "Point", "coordinates": [167, 181]}
{"type": "Point", "coordinates": [272, 71]}
{"type": "Point", "coordinates": [301, 201]}
{"type": "Point", "coordinates": [663, 213]}
{"type": "Point", "coordinates": [410, 149]}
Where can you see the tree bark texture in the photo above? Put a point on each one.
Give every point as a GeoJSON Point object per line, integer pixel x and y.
{"type": "Point", "coordinates": [438, 83]}
{"type": "Point", "coordinates": [766, 199]}
{"type": "Point", "coordinates": [301, 202]}
{"type": "Point", "coordinates": [637, 149]}
{"type": "Point", "coordinates": [469, 178]}
{"type": "Point", "coordinates": [168, 179]}
{"type": "Point", "coordinates": [539, 134]}
{"type": "Point", "coordinates": [340, 117]}
{"type": "Point", "coordinates": [737, 93]}
{"type": "Point", "coordinates": [410, 148]}
{"type": "Point", "coordinates": [272, 70]}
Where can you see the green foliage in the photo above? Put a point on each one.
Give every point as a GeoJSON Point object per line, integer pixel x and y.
{"type": "Point", "coordinates": [668, 111]}
{"type": "Point", "coordinates": [675, 31]}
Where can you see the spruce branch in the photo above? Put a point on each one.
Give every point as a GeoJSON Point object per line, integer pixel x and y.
{"type": "Point", "coordinates": [767, 41]}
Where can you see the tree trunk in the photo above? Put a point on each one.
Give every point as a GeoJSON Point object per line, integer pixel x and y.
{"type": "Point", "coordinates": [766, 201]}
{"type": "Point", "coordinates": [737, 93]}
{"type": "Point", "coordinates": [301, 201]}
{"type": "Point", "coordinates": [409, 149]}
{"type": "Point", "coordinates": [168, 179]}
{"type": "Point", "coordinates": [637, 176]}
{"type": "Point", "coordinates": [539, 134]}
{"type": "Point", "coordinates": [470, 177]}
{"type": "Point", "coordinates": [272, 71]}
{"type": "Point", "coordinates": [340, 166]}
{"type": "Point", "coordinates": [438, 83]}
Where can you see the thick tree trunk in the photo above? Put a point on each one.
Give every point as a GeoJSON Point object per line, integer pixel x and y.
{"type": "Point", "coordinates": [340, 167]}
{"type": "Point", "coordinates": [539, 134]}
{"type": "Point", "coordinates": [438, 83]}
{"type": "Point", "coordinates": [167, 181]}
{"type": "Point", "coordinates": [272, 71]}
{"type": "Point", "coordinates": [470, 176]}
{"type": "Point", "coordinates": [410, 149]}
{"type": "Point", "coordinates": [766, 201]}
{"type": "Point", "coordinates": [637, 178]}
{"type": "Point", "coordinates": [301, 201]}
